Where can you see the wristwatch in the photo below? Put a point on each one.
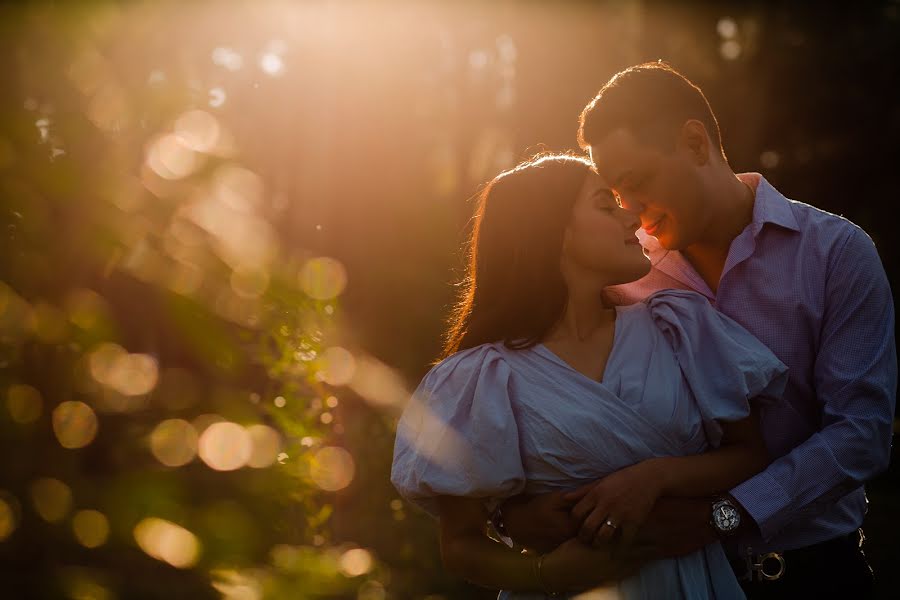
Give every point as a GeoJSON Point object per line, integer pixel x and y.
{"type": "Point", "coordinates": [726, 518]}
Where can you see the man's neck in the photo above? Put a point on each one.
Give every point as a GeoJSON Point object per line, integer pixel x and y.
{"type": "Point", "coordinates": [731, 213]}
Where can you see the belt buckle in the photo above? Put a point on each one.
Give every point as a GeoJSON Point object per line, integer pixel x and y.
{"type": "Point", "coordinates": [760, 567]}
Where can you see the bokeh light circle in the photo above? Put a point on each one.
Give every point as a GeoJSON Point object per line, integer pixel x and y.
{"type": "Point", "coordinates": [338, 366]}
{"type": "Point", "coordinates": [174, 442]}
{"type": "Point", "coordinates": [23, 403]}
{"type": "Point", "coordinates": [332, 468]}
{"type": "Point", "coordinates": [169, 158]}
{"type": "Point", "coordinates": [225, 446]}
{"type": "Point", "coordinates": [197, 130]}
{"type": "Point", "coordinates": [134, 374]}
{"type": "Point", "coordinates": [8, 517]}
{"type": "Point", "coordinates": [91, 528]}
{"type": "Point", "coordinates": [168, 542]}
{"type": "Point", "coordinates": [356, 562]}
{"type": "Point", "coordinates": [74, 424]}
{"type": "Point", "coordinates": [52, 499]}
{"type": "Point", "coordinates": [103, 360]}
{"type": "Point", "coordinates": [323, 278]}
{"type": "Point", "coordinates": [266, 446]}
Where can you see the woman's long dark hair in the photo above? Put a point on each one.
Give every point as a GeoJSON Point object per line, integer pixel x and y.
{"type": "Point", "coordinates": [513, 290]}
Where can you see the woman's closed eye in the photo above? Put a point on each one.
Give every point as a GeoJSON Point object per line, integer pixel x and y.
{"type": "Point", "coordinates": [606, 201]}
{"type": "Point", "coordinates": [635, 184]}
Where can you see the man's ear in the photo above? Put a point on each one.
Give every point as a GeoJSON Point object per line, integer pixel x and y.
{"type": "Point", "coordinates": [695, 140]}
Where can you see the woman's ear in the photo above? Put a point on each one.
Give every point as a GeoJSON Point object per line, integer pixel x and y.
{"type": "Point", "coordinates": [695, 140]}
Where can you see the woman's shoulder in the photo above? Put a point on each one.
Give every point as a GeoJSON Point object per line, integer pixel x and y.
{"type": "Point", "coordinates": [687, 299]}
{"type": "Point", "coordinates": [467, 364]}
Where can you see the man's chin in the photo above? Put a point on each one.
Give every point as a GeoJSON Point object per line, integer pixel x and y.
{"type": "Point", "coordinates": [669, 242]}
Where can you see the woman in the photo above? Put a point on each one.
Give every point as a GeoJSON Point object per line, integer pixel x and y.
{"type": "Point", "coordinates": [543, 387]}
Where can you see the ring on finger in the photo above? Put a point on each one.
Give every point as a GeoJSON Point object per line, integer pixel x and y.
{"type": "Point", "coordinates": [610, 523]}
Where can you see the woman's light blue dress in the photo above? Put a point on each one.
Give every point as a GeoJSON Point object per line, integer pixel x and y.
{"type": "Point", "coordinates": [490, 422]}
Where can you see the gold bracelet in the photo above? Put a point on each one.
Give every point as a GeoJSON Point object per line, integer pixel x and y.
{"type": "Point", "coordinates": [539, 563]}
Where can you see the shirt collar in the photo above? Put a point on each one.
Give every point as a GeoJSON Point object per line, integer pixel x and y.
{"type": "Point", "coordinates": [769, 206]}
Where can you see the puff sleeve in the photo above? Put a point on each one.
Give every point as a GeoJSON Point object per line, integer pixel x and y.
{"type": "Point", "coordinates": [458, 434]}
{"type": "Point", "coordinates": [724, 365]}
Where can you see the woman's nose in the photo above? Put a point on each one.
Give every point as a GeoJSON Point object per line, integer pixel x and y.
{"type": "Point", "coordinates": [633, 221]}
{"type": "Point", "coordinates": [630, 221]}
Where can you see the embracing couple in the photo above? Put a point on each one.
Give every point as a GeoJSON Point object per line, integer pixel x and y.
{"type": "Point", "coordinates": [661, 378]}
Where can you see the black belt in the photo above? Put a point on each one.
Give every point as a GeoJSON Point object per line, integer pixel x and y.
{"type": "Point", "coordinates": [772, 566]}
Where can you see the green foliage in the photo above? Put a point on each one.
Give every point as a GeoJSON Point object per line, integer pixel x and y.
{"type": "Point", "coordinates": [118, 298]}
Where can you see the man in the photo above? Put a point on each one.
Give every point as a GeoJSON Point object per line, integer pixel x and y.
{"type": "Point", "coordinates": [808, 284]}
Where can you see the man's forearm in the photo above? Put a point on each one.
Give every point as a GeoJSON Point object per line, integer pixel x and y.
{"type": "Point", "coordinates": [709, 473]}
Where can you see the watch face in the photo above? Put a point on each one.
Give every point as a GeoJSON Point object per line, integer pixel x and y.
{"type": "Point", "coordinates": [725, 516]}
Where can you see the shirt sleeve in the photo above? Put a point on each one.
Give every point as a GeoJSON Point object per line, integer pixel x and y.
{"type": "Point", "coordinates": [855, 375]}
{"type": "Point", "coordinates": [724, 365]}
{"type": "Point", "coordinates": [458, 434]}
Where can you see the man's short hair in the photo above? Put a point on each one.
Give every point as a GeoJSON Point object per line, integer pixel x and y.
{"type": "Point", "coordinates": [652, 101]}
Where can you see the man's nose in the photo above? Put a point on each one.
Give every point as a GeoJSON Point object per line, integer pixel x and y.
{"type": "Point", "coordinates": [631, 205]}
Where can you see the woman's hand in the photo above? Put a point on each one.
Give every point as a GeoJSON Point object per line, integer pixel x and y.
{"type": "Point", "coordinates": [623, 498]}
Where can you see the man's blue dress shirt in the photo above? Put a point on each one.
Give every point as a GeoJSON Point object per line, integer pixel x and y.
{"type": "Point", "coordinates": [811, 287]}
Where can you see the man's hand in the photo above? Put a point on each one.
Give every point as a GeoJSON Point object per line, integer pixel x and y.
{"type": "Point", "coordinates": [678, 526]}
{"type": "Point", "coordinates": [540, 522]}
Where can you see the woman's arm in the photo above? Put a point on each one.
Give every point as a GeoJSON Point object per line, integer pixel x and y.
{"type": "Point", "coordinates": [468, 553]}
{"type": "Point", "coordinates": [626, 497]}
{"type": "Point", "coordinates": [741, 455]}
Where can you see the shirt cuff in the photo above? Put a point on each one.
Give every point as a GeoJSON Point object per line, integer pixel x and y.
{"type": "Point", "coordinates": [764, 500]}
